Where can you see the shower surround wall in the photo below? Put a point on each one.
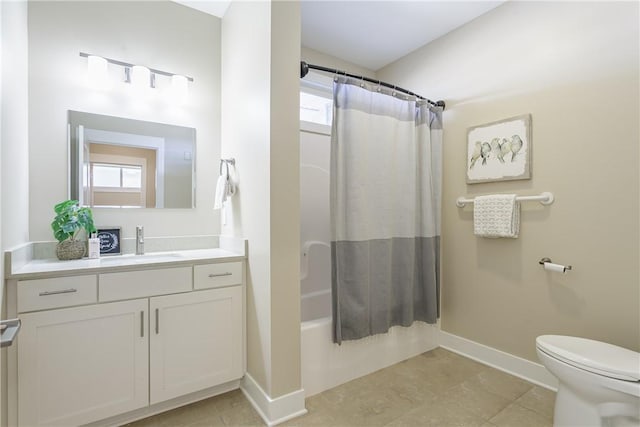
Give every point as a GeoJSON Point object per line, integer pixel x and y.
{"type": "Point", "coordinates": [574, 67]}
{"type": "Point", "coordinates": [315, 235]}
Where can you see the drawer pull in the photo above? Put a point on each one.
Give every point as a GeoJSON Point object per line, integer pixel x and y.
{"type": "Point", "coordinates": [157, 322]}
{"type": "Point", "coordinates": [142, 324]}
{"type": "Point", "coordinates": [220, 274]}
{"type": "Point", "coordinates": [63, 291]}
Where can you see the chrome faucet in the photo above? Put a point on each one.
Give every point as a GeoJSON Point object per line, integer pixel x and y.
{"type": "Point", "coordinates": [139, 240]}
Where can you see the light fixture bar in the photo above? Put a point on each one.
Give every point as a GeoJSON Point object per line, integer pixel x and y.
{"type": "Point", "coordinates": [129, 65]}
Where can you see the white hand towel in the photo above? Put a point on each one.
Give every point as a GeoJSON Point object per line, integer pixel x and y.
{"type": "Point", "coordinates": [220, 192]}
{"type": "Point", "coordinates": [496, 216]}
{"type": "Point", "coordinates": [229, 189]}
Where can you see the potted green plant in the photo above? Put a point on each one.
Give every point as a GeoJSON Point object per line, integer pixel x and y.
{"type": "Point", "coordinates": [69, 221]}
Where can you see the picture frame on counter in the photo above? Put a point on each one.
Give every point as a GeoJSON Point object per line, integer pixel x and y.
{"type": "Point", "coordinates": [110, 240]}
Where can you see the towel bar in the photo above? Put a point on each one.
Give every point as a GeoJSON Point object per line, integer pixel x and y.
{"type": "Point", "coordinates": [545, 198]}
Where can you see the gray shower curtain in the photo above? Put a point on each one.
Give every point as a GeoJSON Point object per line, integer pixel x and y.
{"type": "Point", "coordinates": [386, 162]}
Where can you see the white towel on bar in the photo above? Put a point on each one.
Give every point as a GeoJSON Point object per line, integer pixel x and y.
{"type": "Point", "coordinates": [229, 188]}
{"type": "Point", "coordinates": [224, 190]}
{"type": "Point", "coordinates": [220, 192]}
{"type": "Point", "coordinates": [496, 215]}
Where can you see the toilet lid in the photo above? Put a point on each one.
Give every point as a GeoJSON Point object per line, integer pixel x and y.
{"type": "Point", "coordinates": [594, 356]}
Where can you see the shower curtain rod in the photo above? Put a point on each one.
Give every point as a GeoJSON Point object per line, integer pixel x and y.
{"type": "Point", "coordinates": [304, 70]}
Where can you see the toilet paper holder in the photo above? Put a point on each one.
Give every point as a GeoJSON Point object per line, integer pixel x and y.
{"type": "Point", "coordinates": [546, 260]}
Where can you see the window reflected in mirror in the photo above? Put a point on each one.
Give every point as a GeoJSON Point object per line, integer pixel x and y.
{"type": "Point", "coordinates": [117, 162]}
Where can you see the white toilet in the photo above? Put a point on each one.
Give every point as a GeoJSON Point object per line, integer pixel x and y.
{"type": "Point", "coordinates": [599, 383]}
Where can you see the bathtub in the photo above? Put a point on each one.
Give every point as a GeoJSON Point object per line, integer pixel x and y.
{"type": "Point", "coordinates": [325, 364]}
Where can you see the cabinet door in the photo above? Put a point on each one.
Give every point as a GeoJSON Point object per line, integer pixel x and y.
{"type": "Point", "coordinates": [79, 365]}
{"type": "Point", "coordinates": [196, 341]}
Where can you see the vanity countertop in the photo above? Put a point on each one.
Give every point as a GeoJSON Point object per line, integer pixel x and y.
{"type": "Point", "coordinates": [53, 267]}
{"type": "Point", "coordinates": [30, 268]}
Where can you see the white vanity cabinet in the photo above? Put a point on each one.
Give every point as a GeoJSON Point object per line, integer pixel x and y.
{"type": "Point", "coordinates": [97, 347]}
{"type": "Point", "coordinates": [196, 341]}
{"type": "Point", "coordinates": [81, 364]}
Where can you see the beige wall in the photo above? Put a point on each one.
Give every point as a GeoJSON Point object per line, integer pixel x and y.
{"type": "Point", "coordinates": [14, 166]}
{"type": "Point", "coordinates": [574, 67]}
{"type": "Point", "coordinates": [285, 197]}
{"type": "Point", "coordinates": [159, 34]}
{"type": "Point", "coordinates": [314, 57]}
{"type": "Point", "coordinates": [15, 119]}
{"type": "Point", "coordinates": [245, 93]}
{"type": "Point", "coordinates": [260, 51]}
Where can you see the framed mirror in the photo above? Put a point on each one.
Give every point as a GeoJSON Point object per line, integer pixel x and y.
{"type": "Point", "coordinates": [126, 163]}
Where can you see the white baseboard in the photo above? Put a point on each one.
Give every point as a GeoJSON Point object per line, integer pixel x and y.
{"type": "Point", "coordinates": [273, 411]}
{"type": "Point", "coordinates": [514, 365]}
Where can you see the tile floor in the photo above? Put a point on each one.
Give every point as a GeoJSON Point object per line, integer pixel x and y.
{"type": "Point", "coordinates": [437, 388]}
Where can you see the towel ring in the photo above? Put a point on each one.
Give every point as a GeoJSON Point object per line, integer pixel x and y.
{"type": "Point", "coordinates": [231, 161]}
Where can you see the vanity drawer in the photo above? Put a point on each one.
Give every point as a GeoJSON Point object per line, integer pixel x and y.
{"type": "Point", "coordinates": [217, 275]}
{"type": "Point", "coordinates": [144, 283]}
{"type": "Point", "coordinates": [43, 294]}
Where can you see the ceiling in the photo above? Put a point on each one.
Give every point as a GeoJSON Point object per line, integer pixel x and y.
{"type": "Point", "coordinates": [372, 34]}
{"type": "Point", "coordinates": [212, 7]}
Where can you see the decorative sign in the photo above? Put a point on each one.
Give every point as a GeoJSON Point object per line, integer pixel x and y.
{"type": "Point", "coordinates": [109, 240]}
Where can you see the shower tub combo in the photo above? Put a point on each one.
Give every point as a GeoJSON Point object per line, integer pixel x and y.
{"type": "Point", "coordinates": [325, 364]}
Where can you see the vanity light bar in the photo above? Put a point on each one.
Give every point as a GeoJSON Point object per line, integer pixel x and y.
{"type": "Point", "coordinates": [127, 66]}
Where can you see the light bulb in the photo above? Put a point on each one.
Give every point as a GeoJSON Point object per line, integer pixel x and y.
{"type": "Point", "coordinates": [140, 77]}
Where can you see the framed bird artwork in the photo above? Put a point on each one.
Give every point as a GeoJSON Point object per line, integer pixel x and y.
{"type": "Point", "coordinates": [499, 151]}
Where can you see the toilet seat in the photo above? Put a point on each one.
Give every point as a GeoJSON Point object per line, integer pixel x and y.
{"type": "Point", "coordinates": [593, 356]}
